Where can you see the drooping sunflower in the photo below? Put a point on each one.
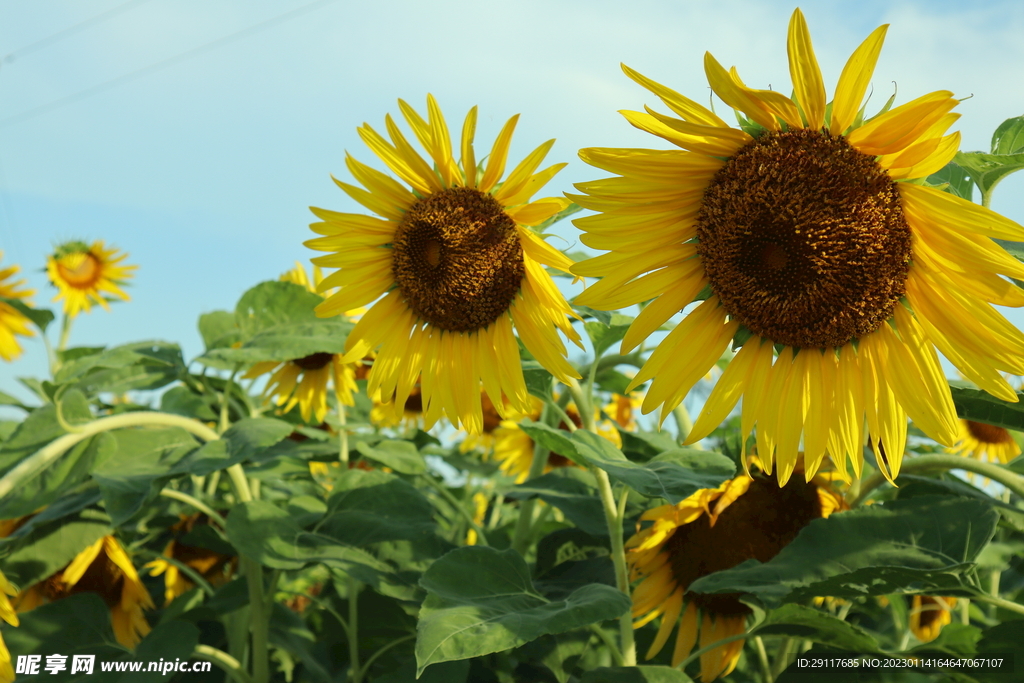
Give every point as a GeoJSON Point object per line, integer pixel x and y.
{"type": "Point", "coordinates": [86, 274]}
{"type": "Point", "coordinates": [928, 615]}
{"type": "Point", "coordinates": [8, 614]}
{"type": "Point", "coordinates": [456, 264]}
{"type": "Point", "coordinates": [105, 569]}
{"type": "Point", "coordinates": [213, 566]}
{"type": "Point", "coordinates": [812, 232]}
{"type": "Point", "coordinates": [306, 381]}
{"type": "Point", "coordinates": [12, 321]}
{"type": "Point", "coordinates": [985, 442]}
{"type": "Point", "coordinates": [715, 529]}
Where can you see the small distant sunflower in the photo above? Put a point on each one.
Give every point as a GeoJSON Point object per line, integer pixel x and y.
{"type": "Point", "coordinates": [12, 321]}
{"type": "Point", "coordinates": [105, 569]}
{"type": "Point", "coordinates": [928, 615]}
{"type": "Point", "coordinates": [8, 614]}
{"type": "Point", "coordinates": [513, 448]}
{"type": "Point", "coordinates": [715, 529]}
{"type": "Point", "coordinates": [985, 442]}
{"type": "Point", "coordinates": [305, 381]}
{"type": "Point", "coordinates": [480, 503]}
{"type": "Point", "coordinates": [86, 274]}
{"type": "Point", "coordinates": [622, 409]}
{"type": "Point", "coordinates": [491, 422]}
{"type": "Point", "coordinates": [457, 266]}
{"type": "Point", "coordinates": [812, 232]}
{"type": "Point", "coordinates": [215, 567]}
{"type": "Point", "coordinates": [409, 416]}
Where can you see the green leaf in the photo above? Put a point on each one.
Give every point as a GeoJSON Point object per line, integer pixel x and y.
{"type": "Point", "coordinates": [673, 475]}
{"type": "Point", "coordinates": [401, 456]}
{"type": "Point", "coordinates": [1003, 640]}
{"type": "Point", "coordinates": [646, 445]}
{"type": "Point", "coordinates": [986, 170]}
{"type": "Point", "coordinates": [481, 600]}
{"type": "Point", "coordinates": [953, 639]}
{"type": "Point", "coordinates": [141, 365]}
{"type": "Point", "coordinates": [555, 440]}
{"type": "Point", "coordinates": [1009, 137]}
{"type": "Point", "coordinates": [603, 335]}
{"type": "Point", "coordinates": [369, 508]}
{"type": "Point", "coordinates": [138, 466]}
{"type": "Point", "coordinates": [573, 492]}
{"type": "Point", "coordinates": [40, 428]}
{"type": "Point", "coordinates": [274, 303]}
{"type": "Point", "coordinates": [289, 631]}
{"type": "Point", "coordinates": [980, 406]}
{"type": "Point", "coordinates": [48, 548]}
{"type": "Point", "coordinates": [958, 181]}
{"type": "Point", "coordinates": [612, 381]}
{"type": "Point", "coordinates": [8, 400]}
{"type": "Point", "coordinates": [635, 674]}
{"type": "Point", "coordinates": [40, 317]}
{"type": "Point", "coordinates": [170, 641]}
{"type": "Point", "coordinates": [285, 342]}
{"type": "Point", "coordinates": [567, 211]}
{"type": "Point", "coordinates": [181, 400]}
{"type": "Point", "coordinates": [219, 329]}
{"type": "Point", "coordinates": [799, 621]}
{"type": "Point", "coordinates": [77, 624]}
{"type": "Point", "coordinates": [915, 545]}
{"type": "Point", "coordinates": [244, 440]}
{"type": "Point", "coordinates": [538, 380]}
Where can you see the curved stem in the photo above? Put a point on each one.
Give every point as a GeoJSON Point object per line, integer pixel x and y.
{"type": "Point", "coordinates": [582, 403]}
{"type": "Point", "coordinates": [684, 423]}
{"type": "Point", "coordinates": [353, 630]}
{"type": "Point", "coordinates": [609, 643]}
{"type": "Point", "coordinates": [197, 504]}
{"type": "Point", "coordinates": [223, 660]}
{"type": "Point", "coordinates": [924, 463]}
{"type": "Point", "coordinates": [48, 454]}
{"type": "Point", "coordinates": [1000, 602]}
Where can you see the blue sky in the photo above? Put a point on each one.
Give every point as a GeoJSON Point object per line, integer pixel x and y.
{"type": "Point", "coordinates": [203, 170]}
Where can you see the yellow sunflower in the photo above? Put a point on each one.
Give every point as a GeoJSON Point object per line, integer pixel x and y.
{"type": "Point", "coordinates": [84, 275]}
{"type": "Point", "coordinates": [480, 503]}
{"type": "Point", "coordinates": [492, 420]}
{"type": "Point", "coordinates": [105, 569]}
{"type": "Point", "coordinates": [985, 442]}
{"type": "Point", "coordinates": [305, 381]}
{"type": "Point", "coordinates": [715, 529]}
{"type": "Point", "coordinates": [215, 567]}
{"type": "Point", "coordinates": [8, 614]}
{"type": "Point", "coordinates": [928, 615]}
{"type": "Point", "coordinates": [12, 322]}
{"type": "Point", "coordinates": [457, 265]}
{"type": "Point", "coordinates": [812, 232]}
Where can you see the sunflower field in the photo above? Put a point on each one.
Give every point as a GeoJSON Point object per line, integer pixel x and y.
{"type": "Point", "coordinates": [450, 452]}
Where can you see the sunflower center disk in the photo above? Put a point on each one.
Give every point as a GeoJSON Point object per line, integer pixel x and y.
{"type": "Point", "coordinates": [314, 361]}
{"type": "Point", "coordinates": [804, 239]}
{"type": "Point", "coordinates": [757, 526]}
{"type": "Point", "coordinates": [457, 259]}
{"type": "Point", "coordinates": [986, 433]}
{"type": "Point", "coordinates": [80, 271]}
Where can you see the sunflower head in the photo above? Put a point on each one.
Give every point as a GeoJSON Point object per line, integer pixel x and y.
{"type": "Point", "coordinates": [985, 442]}
{"type": "Point", "coordinates": [12, 321]}
{"type": "Point", "coordinates": [928, 615]}
{"type": "Point", "coordinates": [215, 567]}
{"type": "Point", "coordinates": [823, 254]}
{"type": "Point", "coordinates": [85, 274]}
{"type": "Point", "coordinates": [451, 251]}
{"type": "Point", "coordinates": [715, 529]}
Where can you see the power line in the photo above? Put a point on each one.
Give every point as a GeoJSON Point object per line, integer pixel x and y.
{"type": "Point", "coordinates": [60, 35]}
{"type": "Point", "coordinates": [170, 61]}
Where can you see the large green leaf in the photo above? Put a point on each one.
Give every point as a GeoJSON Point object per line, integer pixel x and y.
{"type": "Point", "coordinates": [981, 406]}
{"type": "Point", "coordinates": [555, 440]}
{"type": "Point", "coordinates": [370, 507]}
{"type": "Point", "coordinates": [141, 365]}
{"type": "Point", "coordinates": [920, 544]}
{"type": "Point", "coordinates": [573, 492]}
{"type": "Point", "coordinates": [538, 380]}
{"type": "Point", "coordinates": [481, 600]}
{"type": "Point", "coordinates": [244, 440]}
{"type": "Point", "coordinates": [219, 329]}
{"type": "Point", "coordinates": [603, 335]}
{"type": "Point", "coordinates": [986, 170]}
{"type": "Point", "coordinates": [77, 624]}
{"type": "Point", "coordinates": [635, 674]}
{"type": "Point", "coordinates": [673, 475]}
{"type": "Point", "coordinates": [401, 456]}
{"type": "Point", "coordinates": [138, 466]}
{"type": "Point", "coordinates": [958, 182]}
{"type": "Point", "coordinates": [31, 557]}
{"type": "Point", "coordinates": [40, 428]}
{"type": "Point", "coordinates": [1003, 641]}
{"type": "Point", "coordinates": [799, 621]}
{"type": "Point", "coordinates": [286, 342]}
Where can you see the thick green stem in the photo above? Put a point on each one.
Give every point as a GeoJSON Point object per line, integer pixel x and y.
{"type": "Point", "coordinates": [223, 660]}
{"type": "Point", "coordinates": [609, 642]}
{"type": "Point", "coordinates": [342, 431]}
{"type": "Point", "coordinates": [614, 522]}
{"type": "Point", "coordinates": [46, 456]}
{"type": "Point", "coordinates": [762, 659]}
{"type": "Point", "coordinates": [259, 612]}
{"type": "Point", "coordinates": [926, 463]}
{"type": "Point", "coordinates": [353, 630]}
{"type": "Point", "coordinates": [225, 403]}
{"type": "Point", "coordinates": [683, 422]}
{"type": "Point", "coordinates": [781, 657]}
{"type": "Point", "coordinates": [65, 332]}
{"type": "Point", "coordinates": [197, 504]}
{"type": "Point", "coordinates": [1000, 602]}
{"type": "Point", "coordinates": [994, 578]}
{"type": "Point", "coordinates": [582, 402]}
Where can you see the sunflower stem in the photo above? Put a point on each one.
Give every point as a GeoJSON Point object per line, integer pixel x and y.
{"type": "Point", "coordinates": [223, 660]}
{"type": "Point", "coordinates": [614, 522]}
{"type": "Point", "coordinates": [353, 630]}
{"type": "Point", "coordinates": [259, 614]}
{"type": "Point", "coordinates": [997, 601]}
{"type": "Point", "coordinates": [582, 402]}
{"type": "Point", "coordinates": [197, 504]}
{"type": "Point", "coordinates": [684, 423]}
{"type": "Point", "coordinates": [939, 462]}
{"type": "Point", "coordinates": [609, 642]}
{"type": "Point", "coordinates": [994, 578]}
{"type": "Point", "coordinates": [762, 659]}
{"type": "Point", "coordinates": [65, 334]}
{"type": "Point", "coordinates": [225, 403]}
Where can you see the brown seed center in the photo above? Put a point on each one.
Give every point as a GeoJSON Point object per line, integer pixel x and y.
{"type": "Point", "coordinates": [81, 271]}
{"type": "Point", "coordinates": [314, 361]}
{"type": "Point", "coordinates": [986, 433]}
{"type": "Point", "coordinates": [457, 259]}
{"type": "Point", "coordinates": [804, 239]}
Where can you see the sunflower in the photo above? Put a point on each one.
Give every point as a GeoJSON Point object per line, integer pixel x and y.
{"type": "Point", "coordinates": [12, 321]}
{"type": "Point", "coordinates": [8, 614]}
{"type": "Point", "coordinates": [715, 529]}
{"type": "Point", "coordinates": [985, 442]}
{"type": "Point", "coordinates": [810, 231]}
{"type": "Point", "coordinates": [513, 448]}
{"type": "Point", "coordinates": [928, 615]}
{"type": "Point", "coordinates": [492, 420]}
{"type": "Point", "coordinates": [85, 274]}
{"type": "Point", "coordinates": [457, 266]}
{"type": "Point", "coordinates": [215, 567]}
{"type": "Point", "coordinates": [305, 381]}
{"type": "Point", "coordinates": [105, 569]}
{"type": "Point", "coordinates": [480, 503]}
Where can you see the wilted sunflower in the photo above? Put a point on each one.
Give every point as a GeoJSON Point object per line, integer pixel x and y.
{"type": "Point", "coordinates": [457, 265]}
{"type": "Point", "coordinates": [985, 442]}
{"type": "Point", "coordinates": [715, 529]}
{"type": "Point", "coordinates": [102, 568]}
{"type": "Point", "coordinates": [215, 567]}
{"type": "Point", "coordinates": [8, 614]}
{"type": "Point", "coordinates": [85, 274]}
{"type": "Point", "coordinates": [810, 230]}
{"type": "Point", "coordinates": [12, 321]}
{"type": "Point", "coordinates": [306, 381]}
{"type": "Point", "coordinates": [928, 615]}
